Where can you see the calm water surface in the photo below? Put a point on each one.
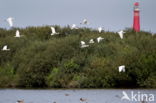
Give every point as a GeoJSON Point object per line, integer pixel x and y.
{"type": "Point", "coordinates": [59, 96]}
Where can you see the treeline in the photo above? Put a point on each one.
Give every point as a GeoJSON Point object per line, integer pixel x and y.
{"type": "Point", "coordinates": [38, 59]}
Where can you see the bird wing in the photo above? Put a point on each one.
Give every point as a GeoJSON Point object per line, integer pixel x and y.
{"type": "Point", "coordinates": [83, 43]}
{"type": "Point", "coordinates": [73, 25]}
{"type": "Point", "coordinates": [99, 29]}
{"type": "Point", "coordinates": [5, 47]}
{"type": "Point", "coordinates": [10, 21]}
{"type": "Point", "coordinates": [123, 68]}
{"type": "Point", "coordinates": [120, 69]}
{"type": "Point", "coordinates": [98, 39]}
{"type": "Point", "coordinates": [17, 33]}
{"type": "Point", "coordinates": [53, 30]}
{"type": "Point", "coordinates": [121, 35]}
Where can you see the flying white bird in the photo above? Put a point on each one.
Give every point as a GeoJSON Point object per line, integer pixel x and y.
{"type": "Point", "coordinates": [100, 29]}
{"type": "Point", "coordinates": [53, 31]}
{"type": "Point", "coordinates": [74, 26]}
{"type": "Point", "coordinates": [122, 68]}
{"type": "Point", "coordinates": [10, 21]}
{"type": "Point", "coordinates": [5, 48]}
{"type": "Point", "coordinates": [121, 34]}
{"type": "Point", "coordinates": [83, 44]}
{"type": "Point", "coordinates": [125, 96]}
{"type": "Point", "coordinates": [99, 39]}
{"type": "Point", "coordinates": [17, 34]}
{"type": "Point", "coordinates": [85, 22]}
{"type": "Point", "coordinates": [91, 41]}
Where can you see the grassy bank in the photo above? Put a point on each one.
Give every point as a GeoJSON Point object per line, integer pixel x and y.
{"type": "Point", "coordinates": [38, 59]}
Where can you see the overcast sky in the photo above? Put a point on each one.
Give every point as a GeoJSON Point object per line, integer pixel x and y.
{"type": "Point", "coordinates": [113, 15]}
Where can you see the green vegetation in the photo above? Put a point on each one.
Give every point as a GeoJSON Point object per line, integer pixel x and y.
{"type": "Point", "coordinates": [38, 59]}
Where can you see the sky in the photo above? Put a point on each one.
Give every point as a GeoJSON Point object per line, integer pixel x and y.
{"type": "Point", "coordinates": [112, 15]}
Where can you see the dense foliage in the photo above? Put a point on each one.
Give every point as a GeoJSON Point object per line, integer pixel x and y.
{"type": "Point", "coordinates": [38, 59]}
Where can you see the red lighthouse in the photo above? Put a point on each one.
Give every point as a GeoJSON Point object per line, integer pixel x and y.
{"type": "Point", "coordinates": [136, 21]}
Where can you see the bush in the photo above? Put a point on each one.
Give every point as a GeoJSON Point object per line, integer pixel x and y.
{"type": "Point", "coordinates": [38, 59]}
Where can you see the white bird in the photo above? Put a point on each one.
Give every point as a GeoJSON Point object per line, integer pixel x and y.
{"type": "Point", "coordinates": [122, 68]}
{"type": "Point", "coordinates": [17, 34]}
{"type": "Point", "coordinates": [85, 22]}
{"type": "Point", "coordinates": [121, 34]}
{"type": "Point", "coordinates": [99, 39]}
{"type": "Point", "coordinates": [53, 31]}
{"type": "Point", "coordinates": [5, 48]}
{"type": "Point", "coordinates": [10, 21]}
{"type": "Point", "coordinates": [91, 41]}
{"type": "Point", "coordinates": [74, 26]}
{"type": "Point", "coordinates": [83, 44]}
{"type": "Point", "coordinates": [125, 96]}
{"type": "Point", "coordinates": [100, 29]}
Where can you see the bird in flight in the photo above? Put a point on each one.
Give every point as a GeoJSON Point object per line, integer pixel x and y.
{"type": "Point", "coordinates": [121, 34]}
{"type": "Point", "coordinates": [17, 34]}
{"type": "Point", "coordinates": [74, 26]}
{"type": "Point", "coordinates": [53, 31]}
{"type": "Point", "coordinates": [122, 68]}
{"type": "Point", "coordinates": [85, 22]}
{"type": "Point", "coordinates": [100, 29]}
{"type": "Point", "coordinates": [10, 21]}
{"type": "Point", "coordinates": [5, 48]}
{"type": "Point", "coordinates": [99, 39]}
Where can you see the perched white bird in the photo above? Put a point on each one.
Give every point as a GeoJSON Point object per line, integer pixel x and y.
{"type": "Point", "coordinates": [122, 68]}
{"type": "Point", "coordinates": [121, 34]}
{"type": "Point", "coordinates": [10, 21]}
{"type": "Point", "coordinates": [99, 39]}
{"type": "Point", "coordinates": [91, 41]}
{"type": "Point", "coordinates": [100, 29]}
{"type": "Point", "coordinates": [5, 48]}
{"type": "Point", "coordinates": [53, 31]}
{"type": "Point", "coordinates": [17, 34]}
{"type": "Point", "coordinates": [83, 44]}
{"type": "Point", "coordinates": [74, 26]}
{"type": "Point", "coordinates": [85, 22]}
{"type": "Point", "coordinates": [125, 96]}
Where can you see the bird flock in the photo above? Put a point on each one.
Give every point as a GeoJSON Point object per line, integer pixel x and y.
{"type": "Point", "coordinates": [83, 44]}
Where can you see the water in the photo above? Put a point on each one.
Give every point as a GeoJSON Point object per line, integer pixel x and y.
{"type": "Point", "coordinates": [58, 96]}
